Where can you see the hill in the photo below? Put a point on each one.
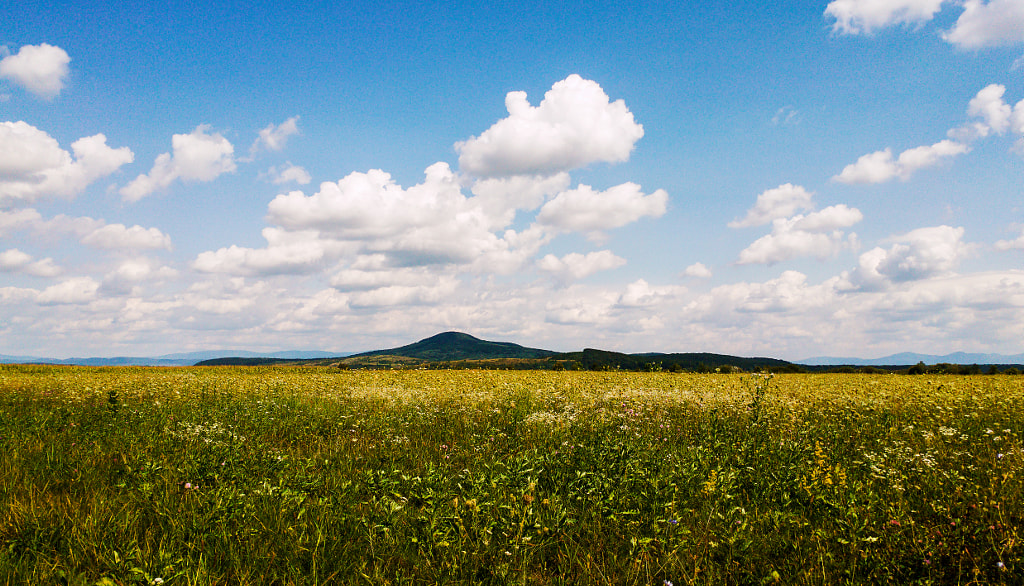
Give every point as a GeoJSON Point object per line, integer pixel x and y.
{"type": "Point", "coordinates": [450, 346]}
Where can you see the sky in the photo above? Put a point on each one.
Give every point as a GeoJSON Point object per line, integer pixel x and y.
{"type": "Point", "coordinates": [787, 179]}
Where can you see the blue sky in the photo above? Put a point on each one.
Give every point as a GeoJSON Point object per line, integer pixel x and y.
{"type": "Point", "coordinates": [788, 179]}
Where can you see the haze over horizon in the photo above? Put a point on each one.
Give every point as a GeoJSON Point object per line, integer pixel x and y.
{"type": "Point", "coordinates": [790, 180]}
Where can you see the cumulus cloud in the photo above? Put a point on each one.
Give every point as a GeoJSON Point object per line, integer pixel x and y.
{"type": "Point", "coordinates": [698, 271]}
{"type": "Point", "coordinates": [981, 24]}
{"type": "Point", "coordinates": [996, 116]}
{"type": "Point", "coordinates": [288, 252]}
{"type": "Point", "coordinates": [19, 219]}
{"type": "Point", "coordinates": [1017, 243]}
{"type": "Point", "coordinates": [274, 138]}
{"type": "Point", "coordinates": [575, 266]}
{"type": "Point", "coordinates": [286, 174]}
{"type": "Point", "coordinates": [817, 234]}
{"type": "Point", "coordinates": [502, 197]}
{"type": "Point", "coordinates": [41, 69]}
{"type": "Point", "coordinates": [432, 223]}
{"type": "Point", "coordinates": [369, 275]}
{"type": "Point", "coordinates": [74, 291]}
{"type": "Point", "coordinates": [16, 261]}
{"type": "Point", "coordinates": [640, 293]}
{"type": "Point", "coordinates": [130, 273]}
{"type": "Point", "coordinates": [988, 24]}
{"type": "Point", "coordinates": [585, 210]}
{"type": "Point", "coordinates": [865, 16]}
{"type": "Point", "coordinates": [574, 125]}
{"type": "Point", "coordinates": [196, 156]}
{"type": "Point", "coordinates": [33, 166]}
{"type": "Point", "coordinates": [405, 295]}
{"type": "Point", "coordinates": [988, 105]}
{"type": "Point", "coordinates": [919, 254]}
{"type": "Point", "coordinates": [780, 202]}
{"type": "Point", "coordinates": [119, 236]}
{"type": "Point", "coordinates": [880, 166]}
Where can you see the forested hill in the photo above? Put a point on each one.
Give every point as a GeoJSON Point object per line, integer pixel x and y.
{"type": "Point", "coordinates": [458, 346]}
{"type": "Point", "coordinates": [460, 350]}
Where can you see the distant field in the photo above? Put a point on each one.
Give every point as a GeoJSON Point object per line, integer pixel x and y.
{"type": "Point", "coordinates": [272, 475]}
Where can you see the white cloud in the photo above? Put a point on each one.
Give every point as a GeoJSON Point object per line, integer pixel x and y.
{"type": "Point", "coordinates": [575, 266]}
{"type": "Point", "coordinates": [129, 273]}
{"type": "Point", "coordinates": [40, 69]}
{"type": "Point", "coordinates": [432, 223]}
{"type": "Point", "coordinates": [18, 219]}
{"type": "Point", "coordinates": [365, 278]}
{"type": "Point", "coordinates": [286, 174]}
{"type": "Point", "coordinates": [919, 254]}
{"type": "Point", "coordinates": [698, 271]}
{"type": "Point", "coordinates": [879, 167]}
{"type": "Point", "coordinates": [817, 234]}
{"type": "Point", "coordinates": [1017, 243]}
{"type": "Point", "coordinates": [118, 236]}
{"type": "Point", "coordinates": [640, 293]}
{"type": "Point", "coordinates": [780, 202]}
{"type": "Point", "coordinates": [988, 104]}
{"type": "Point", "coordinates": [574, 125]}
{"type": "Point", "coordinates": [197, 156]}
{"type": "Point", "coordinates": [404, 295]}
{"type": "Point", "coordinates": [74, 291]}
{"type": "Point", "coordinates": [371, 204]}
{"type": "Point", "coordinates": [786, 116]}
{"type": "Point", "coordinates": [33, 166]}
{"type": "Point", "coordinates": [585, 210]}
{"type": "Point", "coordinates": [16, 261]}
{"type": "Point", "coordinates": [501, 197]}
{"type": "Point", "coordinates": [274, 138]}
{"type": "Point", "coordinates": [287, 252]}
{"type": "Point", "coordinates": [988, 24]}
{"type": "Point", "coordinates": [864, 16]}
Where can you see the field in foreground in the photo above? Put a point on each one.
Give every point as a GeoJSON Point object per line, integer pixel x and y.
{"type": "Point", "coordinates": [316, 476]}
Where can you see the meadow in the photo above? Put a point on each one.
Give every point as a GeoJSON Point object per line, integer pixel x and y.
{"type": "Point", "coordinates": [276, 475]}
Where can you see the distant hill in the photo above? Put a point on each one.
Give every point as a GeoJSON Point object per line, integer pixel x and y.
{"type": "Point", "coordinates": [178, 359]}
{"type": "Point", "coordinates": [910, 358]}
{"type": "Point", "coordinates": [456, 349]}
{"type": "Point", "coordinates": [450, 346]}
{"type": "Point", "coordinates": [700, 361]}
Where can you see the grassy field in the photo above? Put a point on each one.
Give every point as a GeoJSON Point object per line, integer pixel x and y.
{"type": "Point", "coordinates": [319, 476]}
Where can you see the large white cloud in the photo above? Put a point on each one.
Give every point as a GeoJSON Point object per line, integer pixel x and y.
{"type": "Point", "coordinates": [574, 125]}
{"type": "Point", "coordinates": [16, 261]}
{"type": "Point", "coordinates": [864, 16]}
{"type": "Point", "coordinates": [817, 234]}
{"type": "Point", "coordinates": [577, 266]}
{"type": "Point", "coordinates": [119, 236]}
{"type": "Point", "coordinates": [76, 291]}
{"type": "Point", "coordinates": [196, 156]}
{"type": "Point", "coordinates": [41, 69]}
{"type": "Point", "coordinates": [780, 202]}
{"type": "Point", "coordinates": [502, 197]}
{"type": "Point", "coordinates": [288, 252]}
{"type": "Point", "coordinates": [33, 166]}
{"type": "Point", "coordinates": [919, 254]}
{"type": "Point", "coordinates": [585, 210]}
{"type": "Point", "coordinates": [986, 24]}
{"type": "Point", "coordinates": [880, 166]}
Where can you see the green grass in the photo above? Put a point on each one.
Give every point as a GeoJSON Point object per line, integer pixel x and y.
{"type": "Point", "coordinates": [317, 476]}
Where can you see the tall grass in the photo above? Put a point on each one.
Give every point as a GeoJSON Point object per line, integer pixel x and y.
{"type": "Point", "coordinates": [314, 476]}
